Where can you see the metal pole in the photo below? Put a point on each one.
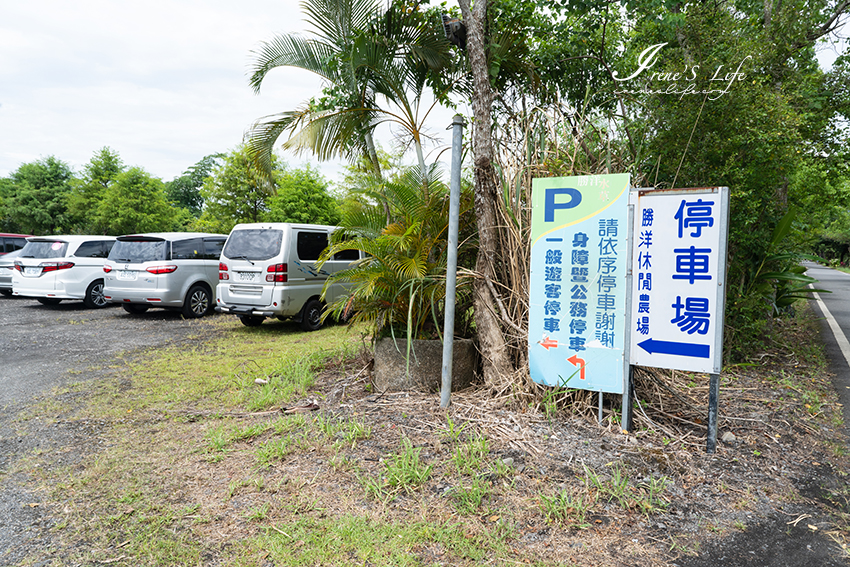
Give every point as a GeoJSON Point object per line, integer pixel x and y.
{"type": "Point", "coordinates": [600, 408]}
{"type": "Point", "coordinates": [713, 393]}
{"type": "Point", "coordinates": [451, 262]}
{"type": "Point", "coordinates": [626, 417]}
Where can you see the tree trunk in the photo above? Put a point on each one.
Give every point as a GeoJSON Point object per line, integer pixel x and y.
{"type": "Point", "coordinates": [376, 169]}
{"type": "Point", "coordinates": [496, 362]}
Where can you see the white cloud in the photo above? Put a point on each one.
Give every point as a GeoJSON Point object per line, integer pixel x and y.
{"type": "Point", "coordinates": [163, 83]}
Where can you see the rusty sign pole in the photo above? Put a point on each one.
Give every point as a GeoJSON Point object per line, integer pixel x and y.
{"type": "Point", "coordinates": [714, 378]}
{"type": "Point", "coordinates": [713, 393]}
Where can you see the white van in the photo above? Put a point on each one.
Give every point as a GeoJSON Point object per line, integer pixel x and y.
{"type": "Point", "coordinates": [269, 270]}
{"type": "Point", "coordinates": [53, 268]}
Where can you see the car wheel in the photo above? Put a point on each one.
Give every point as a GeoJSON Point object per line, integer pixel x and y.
{"type": "Point", "coordinates": [48, 300]}
{"type": "Point", "coordinates": [251, 320]}
{"type": "Point", "coordinates": [197, 303]}
{"type": "Point", "coordinates": [134, 308]}
{"type": "Point", "coordinates": [94, 295]}
{"type": "Point", "coordinates": [311, 316]}
{"type": "Point", "coordinates": [6, 292]}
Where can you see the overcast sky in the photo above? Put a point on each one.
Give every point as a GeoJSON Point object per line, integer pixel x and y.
{"type": "Point", "coordinates": [163, 83]}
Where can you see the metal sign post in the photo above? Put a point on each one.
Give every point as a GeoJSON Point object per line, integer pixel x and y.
{"type": "Point", "coordinates": [626, 415]}
{"type": "Point", "coordinates": [451, 263]}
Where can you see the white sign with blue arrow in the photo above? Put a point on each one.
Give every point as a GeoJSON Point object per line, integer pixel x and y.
{"type": "Point", "coordinates": [678, 278]}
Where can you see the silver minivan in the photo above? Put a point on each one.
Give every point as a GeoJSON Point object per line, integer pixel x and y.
{"type": "Point", "coordinates": [269, 270]}
{"type": "Point", "coordinates": [177, 270]}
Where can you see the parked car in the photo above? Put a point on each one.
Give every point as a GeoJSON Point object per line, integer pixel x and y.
{"type": "Point", "coordinates": [268, 270]}
{"type": "Point", "coordinates": [177, 270]}
{"type": "Point", "coordinates": [53, 268]}
{"type": "Point", "coordinates": [12, 242]}
{"type": "Point", "coordinates": [7, 266]}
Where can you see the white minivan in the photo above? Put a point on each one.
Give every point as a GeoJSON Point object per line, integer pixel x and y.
{"type": "Point", "coordinates": [269, 270]}
{"type": "Point", "coordinates": [53, 268]}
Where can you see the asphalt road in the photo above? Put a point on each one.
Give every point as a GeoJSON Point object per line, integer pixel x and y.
{"type": "Point", "coordinates": [834, 309]}
{"type": "Point", "coordinates": [42, 347]}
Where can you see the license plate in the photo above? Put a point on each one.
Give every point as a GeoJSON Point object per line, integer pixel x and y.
{"type": "Point", "coordinates": [246, 276]}
{"type": "Point", "coordinates": [125, 275]}
{"type": "Point", "coordinates": [32, 271]}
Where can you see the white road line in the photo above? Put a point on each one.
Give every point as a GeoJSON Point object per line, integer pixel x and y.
{"type": "Point", "coordinates": [842, 341]}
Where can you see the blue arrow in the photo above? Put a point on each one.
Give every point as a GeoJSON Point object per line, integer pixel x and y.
{"type": "Point", "coordinates": [679, 349]}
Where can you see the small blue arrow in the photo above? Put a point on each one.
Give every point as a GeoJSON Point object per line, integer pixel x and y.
{"type": "Point", "coordinates": [680, 349]}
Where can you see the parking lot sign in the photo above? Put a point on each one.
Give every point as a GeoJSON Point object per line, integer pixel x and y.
{"type": "Point", "coordinates": [577, 296]}
{"type": "Point", "coordinates": [679, 277]}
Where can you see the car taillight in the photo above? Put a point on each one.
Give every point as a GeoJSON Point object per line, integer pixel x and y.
{"type": "Point", "coordinates": [222, 271]}
{"type": "Point", "coordinates": [55, 266]}
{"type": "Point", "coordinates": [161, 269]}
{"type": "Point", "coordinates": [278, 273]}
{"type": "Point", "coordinates": [18, 267]}
{"type": "Point", "coordinates": [107, 269]}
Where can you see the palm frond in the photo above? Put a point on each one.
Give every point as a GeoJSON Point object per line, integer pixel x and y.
{"type": "Point", "coordinates": [291, 50]}
{"type": "Point", "coordinates": [338, 21]}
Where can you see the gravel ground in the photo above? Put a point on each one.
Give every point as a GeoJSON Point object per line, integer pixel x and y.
{"type": "Point", "coordinates": [44, 347]}
{"type": "Point", "coordinates": [772, 496]}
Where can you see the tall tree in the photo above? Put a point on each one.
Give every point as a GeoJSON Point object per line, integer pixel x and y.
{"type": "Point", "coordinates": [6, 191]}
{"type": "Point", "coordinates": [235, 192]}
{"type": "Point", "coordinates": [37, 203]}
{"type": "Point", "coordinates": [135, 202]}
{"type": "Point", "coordinates": [365, 57]}
{"type": "Point", "coordinates": [185, 191]}
{"type": "Point", "coordinates": [497, 364]}
{"type": "Point", "coordinates": [88, 191]}
{"type": "Point", "coordinates": [302, 196]}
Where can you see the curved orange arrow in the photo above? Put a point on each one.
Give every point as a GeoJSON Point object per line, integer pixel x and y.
{"type": "Point", "coordinates": [578, 362]}
{"type": "Point", "coordinates": [548, 343]}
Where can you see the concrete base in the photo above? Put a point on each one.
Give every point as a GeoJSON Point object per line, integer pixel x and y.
{"type": "Point", "coordinates": [426, 365]}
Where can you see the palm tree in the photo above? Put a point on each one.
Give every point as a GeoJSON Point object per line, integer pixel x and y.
{"type": "Point", "coordinates": [400, 283]}
{"type": "Point", "coordinates": [363, 55]}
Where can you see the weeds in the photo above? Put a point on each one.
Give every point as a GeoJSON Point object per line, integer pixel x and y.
{"type": "Point", "coordinates": [468, 499]}
{"type": "Point", "coordinates": [469, 457]}
{"type": "Point", "coordinates": [567, 508]}
{"type": "Point", "coordinates": [258, 513]}
{"type": "Point", "coordinates": [275, 449]}
{"type": "Point", "coordinates": [647, 497]}
{"type": "Point", "coordinates": [404, 469]}
{"type": "Point", "coordinates": [453, 432]}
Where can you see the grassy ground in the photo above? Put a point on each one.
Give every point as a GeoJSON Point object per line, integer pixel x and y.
{"type": "Point", "coordinates": [265, 446]}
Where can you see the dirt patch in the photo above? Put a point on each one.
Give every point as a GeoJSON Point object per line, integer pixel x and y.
{"type": "Point", "coordinates": [774, 494]}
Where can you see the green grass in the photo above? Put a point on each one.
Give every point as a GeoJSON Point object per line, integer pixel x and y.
{"type": "Point", "coordinates": [469, 495]}
{"type": "Point", "coordinates": [568, 508]}
{"type": "Point", "coordinates": [404, 470]}
{"type": "Point", "coordinates": [351, 540]}
{"type": "Point", "coordinates": [220, 374]}
{"type": "Point", "coordinates": [645, 497]}
{"type": "Point", "coordinates": [469, 457]}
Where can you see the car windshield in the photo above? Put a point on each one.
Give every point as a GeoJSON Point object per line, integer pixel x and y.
{"type": "Point", "coordinates": [253, 244]}
{"type": "Point", "coordinates": [138, 251]}
{"type": "Point", "coordinates": [44, 249]}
